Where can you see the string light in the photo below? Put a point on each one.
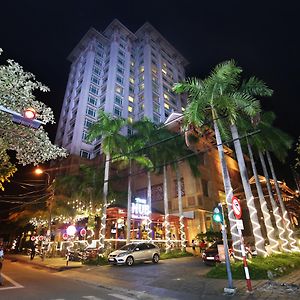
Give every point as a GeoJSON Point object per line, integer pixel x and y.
{"type": "Point", "coordinates": [182, 233]}
{"type": "Point", "coordinates": [270, 229]}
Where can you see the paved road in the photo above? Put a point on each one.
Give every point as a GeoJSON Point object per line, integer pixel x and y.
{"type": "Point", "coordinates": [23, 282]}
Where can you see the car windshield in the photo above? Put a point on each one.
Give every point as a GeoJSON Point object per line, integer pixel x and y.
{"type": "Point", "coordinates": [128, 247]}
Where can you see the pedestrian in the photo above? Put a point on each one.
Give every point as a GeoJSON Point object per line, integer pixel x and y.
{"type": "Point", "coordinates": [202, 246]}
{"type": "Point", "coordinates": [32, 254]}
{"type": "Point", "coordinates": [1, 262]}
{"type": "Point", "coordinates": [194, 247]}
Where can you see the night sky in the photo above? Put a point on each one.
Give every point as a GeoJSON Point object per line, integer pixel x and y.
{"type": "Point", "coordinates": [262, 36]}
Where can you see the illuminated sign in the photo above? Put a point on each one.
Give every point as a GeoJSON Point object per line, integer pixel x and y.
{"type": "Point", "coordinates": [140, 209]}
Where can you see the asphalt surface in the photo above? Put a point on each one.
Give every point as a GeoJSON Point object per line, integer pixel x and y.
{"type": "Point", "coordinates": [182, 278]}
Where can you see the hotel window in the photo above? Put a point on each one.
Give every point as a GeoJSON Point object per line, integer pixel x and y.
{"type": "Point", "coordinates": [155, 98]}
{"type": "Point", "coordinates": [97, 62]}
{"type": "Point", "coordinates": [142, 69]}
{"type": "Point", "coordinates": [129, 130]}
{"type": "Point", "coordinates": [130, 109]}
{"type": "Point", "coordinates": [166, 97]}
{"type": "Point", "coordinates": [154, 87]}
{"type": "Point", "coordinates": [154, 70]}
{"type": "Point", "coordinates": [141, 97]}
{"type": "Point", "coordinates": [91, 112]}
{"type": "Point", "coordinates": [99, 45]}
{"type": "Point", "coordinates": [141, 78]}
{"type": "Point", "coordinates": [141, 107]}
{"type": "Point", "coordinates": [156, 107]}
{"type": "Point", "coordinates": [88, 123]}
{"type": "Point", "coordinates": [120, 70]}
{"type": "Point", "coordinates": [119, 89]}
{"type": "Point", "coordinates": [164, 71]}
{"type": "Point", "coordinates": [166, 105]}
{"type": "Point", "coordinates": [132, 63]}
{"type": "Point", "coordinates": [117, 111]}
{"type": "Point", "coordinates": [92, 100]}
{"type": "Point", "coordinates": [141, 87]}
{"type": "Point", "coordinates": [118, 100]}
{"type": "Point", "coordinates": [100, 54]}
{"type": "Point", "coordinates": [103, 89]}
{"type": "Point", "coordinates": [78, 91]}
{"type": "Point", "coordinates": [122, 46]}
{"type": "Point", "coordinates": [156, 118]}
{"type": "Point", "coordinates": [130, 120]}
{"type": "Point", "coordinates": [121, 61]}
{"type": "Point", "coordinates": [121, 53]}
{"type": "Point", "coordinates": [94, 90]}
{"type": "Point", "coordinates": [131, 80]}
{"type": "Point", "coordinates": [182, 109]}
{"type": "Point", "coordinates": [95, 80]}
{"type": "Point", "coordinates": [102, 100]}
{"type": "Point", "coordinates": [84, 137]}
{"type": "Point", "coordinates": [84, 154]}
{"type": "Point", "coordinates": [131, 88]}
{"type": "Point", "coordinates": [120, 79]}
{"type": "Point", "coordinates": [96, 71]}
{"type": "Point", "coordinates": [130, 98]}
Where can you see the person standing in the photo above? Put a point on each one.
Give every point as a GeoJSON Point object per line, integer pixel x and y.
{"type": "Point", "coordinates": [194, 247]}
{"type": "Point", "coordinates": [1, 262]}
{"type": "Point", "coordinates": [32, 254]}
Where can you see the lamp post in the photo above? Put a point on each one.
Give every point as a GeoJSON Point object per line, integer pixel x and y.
{"type": "Point", "coordinates": [49, 188]}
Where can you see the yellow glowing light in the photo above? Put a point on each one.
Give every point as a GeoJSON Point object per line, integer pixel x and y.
{"type": "Point", "coordinates": [130, 98]}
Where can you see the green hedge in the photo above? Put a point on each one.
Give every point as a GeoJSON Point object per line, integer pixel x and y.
{"type": "Point", "coordinates": [174, 254]}
{"type": "Point", "coordinates": [99, 261]}
{"type": "Point", "coordinates": [277, 265]}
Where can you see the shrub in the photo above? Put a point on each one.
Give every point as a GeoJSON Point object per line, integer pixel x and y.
{"type": "Point", "coordinates": [174, 254]}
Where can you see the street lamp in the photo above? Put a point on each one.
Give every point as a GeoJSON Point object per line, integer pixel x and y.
{"type": "Point", "coordinates": [50, 187]}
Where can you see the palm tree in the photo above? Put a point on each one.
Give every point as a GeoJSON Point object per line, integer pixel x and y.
{"type": "Point", "coordinates": [262, 142]}
{"type": "Point", "coordinates": [147, 131]}
{"type": "Point", "coordinates": [245, 126]}
{"type": "Point", "coordinates": [108, 128]}
{"type": "Point", "coordinates": [131, 154]}
{"type": "Point", "coordinates": [183, 153]}
{"type": "Point", "coordinates": [203, 99]}
{"type": "Point", "coordinates": [279, 143]}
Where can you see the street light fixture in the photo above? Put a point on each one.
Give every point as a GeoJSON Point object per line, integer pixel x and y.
{"type": "Point", "coordinates": [49, 187]}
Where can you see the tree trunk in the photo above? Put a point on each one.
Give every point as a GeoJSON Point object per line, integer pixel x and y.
{"type": "Point", "coordinates": [259, 240]}
{"type": "Point", "coordinates": [267, 218]}
{"type": "Point", "coordinates": [286, 219]}
{"type": "Point", "coordinates": [149, 198]}
{"type": "Point", "coordinates": [166, 207]}
{"type": "Point", "coordinates": [129, 206]}
{"type": "Point", "coordinates": [228, 191]}
{"type": "Point", "coordinates": [275, 208]}
{"type": "Point", "coordinates": [104, 208]}
{"type": "Point", "coordinates": [180, 209]}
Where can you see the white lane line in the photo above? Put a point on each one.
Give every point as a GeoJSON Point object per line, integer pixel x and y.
{"type": "Point", "coordinates": [16, 285]}
{"type": "Point", "coordinates": [91, 298]}
{"type": "Point", "coordinates": [122, 297]}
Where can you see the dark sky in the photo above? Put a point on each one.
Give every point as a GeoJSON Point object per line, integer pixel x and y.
{"type": "Point", "coordinates": [262, 36]}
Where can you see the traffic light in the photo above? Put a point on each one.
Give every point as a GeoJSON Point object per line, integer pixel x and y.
{"type": "Point", "coordinates": [217, 214]}
{"type": "Point", "coordinates": [27, 118]}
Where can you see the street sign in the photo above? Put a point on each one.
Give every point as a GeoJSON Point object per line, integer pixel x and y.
{"type": "Point", "coordinates": [236, 206]}
{"type": "Point", "coordinates": [240, 224]}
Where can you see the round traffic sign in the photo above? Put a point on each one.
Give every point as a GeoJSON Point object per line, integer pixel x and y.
{"type": "Point", "coordinates": [236, 206]}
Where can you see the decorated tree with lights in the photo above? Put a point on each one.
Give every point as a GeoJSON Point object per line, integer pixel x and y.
{"type": "Point", "coordinates": [107, 128]}
{"type": "Point", "coordinates": [30, 145]}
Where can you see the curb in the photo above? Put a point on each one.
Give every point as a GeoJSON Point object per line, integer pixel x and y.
{"type": "Point", "coordinates": [40, 265]}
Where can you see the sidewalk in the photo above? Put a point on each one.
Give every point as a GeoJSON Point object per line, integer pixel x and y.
{"type": "Point", "coordinates": [54, 264]}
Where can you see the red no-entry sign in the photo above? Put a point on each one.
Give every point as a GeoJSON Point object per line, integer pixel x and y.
{"type": "Point", "coordinates": [236, 206]}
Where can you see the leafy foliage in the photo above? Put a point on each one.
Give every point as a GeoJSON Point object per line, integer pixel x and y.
{"type": "Point", "coordinates": [278, 264]}
{"type": "Point", "coordinates": [31, 145]}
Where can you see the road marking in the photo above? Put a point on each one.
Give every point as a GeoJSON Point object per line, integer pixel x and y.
{"type": "Point", "coordinates": [120, 296]}
{"type": "Point", "coordinates": [16, 285]}
{"type": "Point", "coordinates": [91, 298]}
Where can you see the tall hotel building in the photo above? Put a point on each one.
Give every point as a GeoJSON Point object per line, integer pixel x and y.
{"type": "Point", "coordinates": [129, 75]}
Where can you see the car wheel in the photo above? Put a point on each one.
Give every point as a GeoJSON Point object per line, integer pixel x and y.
{"type": "Point", "coordinates": [155, 258]}
{"type": "Point", "coordinates": [129, 261]}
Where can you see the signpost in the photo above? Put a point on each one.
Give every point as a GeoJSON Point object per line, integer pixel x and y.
{"type": "Point", "coordinates": [237, 210]}
{"type": "Point", "coordinates": [218, 217]}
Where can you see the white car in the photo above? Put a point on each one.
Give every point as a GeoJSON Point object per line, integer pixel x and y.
{"type": "Point", "coordinates": [134, 252]}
